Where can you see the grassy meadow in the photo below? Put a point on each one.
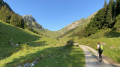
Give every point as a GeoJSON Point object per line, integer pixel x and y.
{"type": "Point", "coordinates": [109, 37]}
{"type": "Point", "coordinates": [32, 46]}
{"type": "Point", "coordinates": [111, 40]}
{"type": "Point", "coordinates": [70, 56]}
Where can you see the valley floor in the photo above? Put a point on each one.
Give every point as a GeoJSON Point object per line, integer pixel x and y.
{"type": "Point", "coordinates": [32, 46]}
{"type": "Point", "coordinates": [70, 56]}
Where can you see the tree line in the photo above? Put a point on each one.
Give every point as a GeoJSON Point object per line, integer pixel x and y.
{"type": "Point", "coordinates": [8, 15]}
{"type": "Point", "coordinates": [107, 17]}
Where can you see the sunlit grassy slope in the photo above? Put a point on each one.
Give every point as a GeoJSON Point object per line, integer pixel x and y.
{"type": "Point", "coordinates": [26, 40]}
{"type": "Point", "coordinates": [32, 46]}
{"type": "Point", "coordinates": [51, 34]}
{"type": "Point", "coordinates": [110, 38]}
{"type": "Point", "coordinates": [71, 34]}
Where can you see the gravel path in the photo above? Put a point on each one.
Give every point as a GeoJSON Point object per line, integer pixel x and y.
{"type": "Point", "coordinates": [91, 60]}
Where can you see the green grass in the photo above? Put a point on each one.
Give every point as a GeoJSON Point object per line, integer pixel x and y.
{"type": "Point", "coordinates": [32, 46]}
{"type": "Point", "coordinates": [22, 37]}
{"type": "Point", "coordinates": [112, 40]}
{"type": "Point", "coordinates": [70, 56]}
{"type": "Point", "coordinates": [48, 33]}
{"type": "Point", "coordinates": [18, 36]}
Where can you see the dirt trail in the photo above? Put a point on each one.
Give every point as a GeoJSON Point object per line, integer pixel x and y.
{"type": "Point", "coordinates": [91, 60]}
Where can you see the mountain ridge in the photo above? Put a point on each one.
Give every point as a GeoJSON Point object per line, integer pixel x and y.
{"type": "Point", "coordinates": [31, 22]}
{"type": "Point", "coordinates": [76, 24]}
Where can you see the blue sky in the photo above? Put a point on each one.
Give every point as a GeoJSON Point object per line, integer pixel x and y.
{"type": "Point", "coordinates": [56, 14]}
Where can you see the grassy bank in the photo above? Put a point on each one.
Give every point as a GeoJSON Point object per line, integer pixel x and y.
{"type": "Point", "coordinates": [112, 40]}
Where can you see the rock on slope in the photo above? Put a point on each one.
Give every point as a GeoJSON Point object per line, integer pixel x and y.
{"type": "Point", "coordinates": [76, 24]}
{"type": "Point", "coordinates": [31, 22]}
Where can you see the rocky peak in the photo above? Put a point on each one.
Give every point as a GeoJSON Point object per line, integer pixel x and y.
{"type": "Point", "coordinates": [31, 22]}
{"type": "Point", "coordinates": [30, 17]}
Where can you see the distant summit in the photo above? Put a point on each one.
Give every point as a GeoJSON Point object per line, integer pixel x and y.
{"type": "Point", "coordinates": [31, 22]}
{"type": "Point", "coordinates": [30, 17]}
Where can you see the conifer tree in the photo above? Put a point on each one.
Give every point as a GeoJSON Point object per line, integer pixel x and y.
{"type": "Point", "coordinates": [105, 6]}
{"type": "Point", "coordinates": [105, 13]}
{"type": "Point", "coordinates": [7, 15]}
{"type": "Point", "coordinates": [117, 8]}
{"type": "Point", "coordinates": [109, 16]}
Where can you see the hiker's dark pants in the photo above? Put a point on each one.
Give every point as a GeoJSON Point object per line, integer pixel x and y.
{"type": "Point", "coordinates": [100, 52]}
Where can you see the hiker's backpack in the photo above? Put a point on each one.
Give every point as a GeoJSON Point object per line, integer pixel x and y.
{"type": "Point", "coordinates": [100, 47]}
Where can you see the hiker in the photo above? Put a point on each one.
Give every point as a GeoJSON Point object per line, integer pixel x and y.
{"type": "Point", "coordinates": [100, 50]}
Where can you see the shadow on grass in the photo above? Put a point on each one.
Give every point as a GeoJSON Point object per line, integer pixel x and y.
{"type": "Point", "coordinates": [7, 49]}
{"type": "Point", "coordinates": [37, 44]}
{"type": "Point", "coordinates": [70, 56]}
{"type": "Point", "coordinates": [17, 35]}
{"type": "Point", "coordinates": [112, 34]}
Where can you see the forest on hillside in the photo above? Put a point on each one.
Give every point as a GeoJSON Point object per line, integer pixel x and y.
{"type": "Point", "coordinates": [107, 17]}
{"type": "Point", "coordinates": [9, 16]}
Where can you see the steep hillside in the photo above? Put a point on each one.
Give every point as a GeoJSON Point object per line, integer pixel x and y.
{"type": "Point", "coordinates": [33, 26]}
{"type": "Point", "coordinates": [76, 24]}
{"type": "Point", "coordinates": [2, 3]}
{"type": "Point", "coordinates": [11, 34]}
{"type": "Point", "coordinates": [107, 17]}
{"type": "Point", "coordinates": [9, 16]}
{"type": "Point", "coordinates": [31, 22]}
{"type": "Point", "coordinates": [19, 46]}
{"type": "Point", "coordinates": [17, 42]}
{"type": "Point", "coordinates": [71, 26]}
{"type": "Point", "coordinates": [104, 27]}
{"type": "Point", "coordinates": [76, 27]}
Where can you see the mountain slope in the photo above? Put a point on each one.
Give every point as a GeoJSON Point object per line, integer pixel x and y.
{"type": "Point", "coordinates": [31, 22]}
{"type": "Point", "coordinates": [9, 16]}
{"type": "Point", "coordinates": [107, 17]}
{"type": "Point", "coordinates": [76, 24]}
{"type": "Point", "coordinates": [71, 26]}
{"type": "Point", "coordinates": [10, 33]}
{"type": "Point", "coordinates": [32, 47]}
{"type": "Point", "coordinates": [75, 27]}
{"type": "Point", "coordinates": [17, 42]}
{"type": "Point", "coordinates": [103, 28]}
